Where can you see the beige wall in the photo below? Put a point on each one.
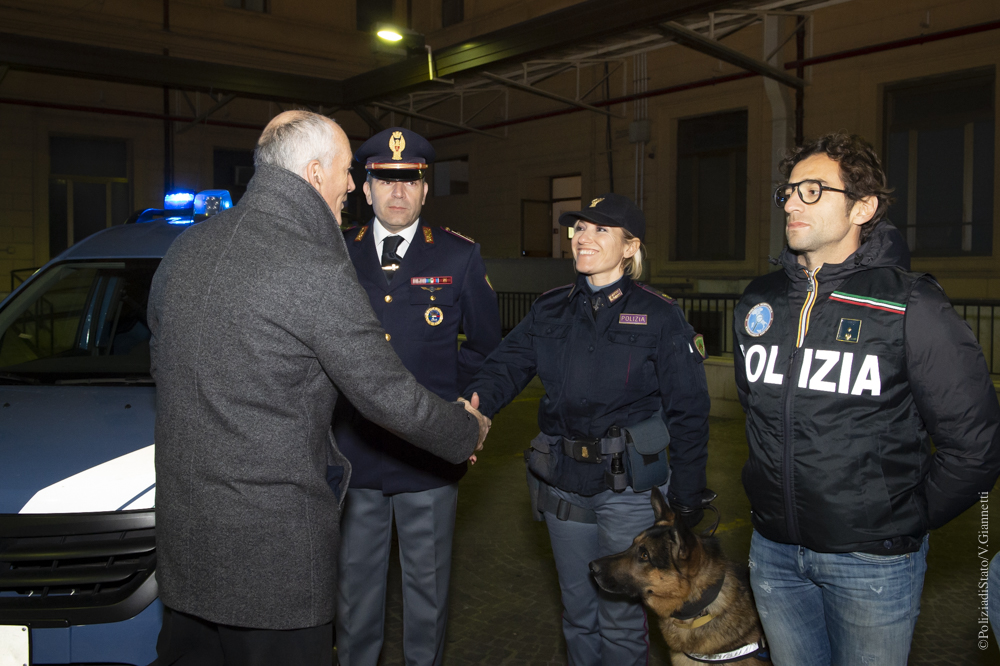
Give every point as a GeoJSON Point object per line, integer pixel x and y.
{"type": "Point", "coordinates": [841, 95]}
{"type": "Point", "coordinates": [318, 38]}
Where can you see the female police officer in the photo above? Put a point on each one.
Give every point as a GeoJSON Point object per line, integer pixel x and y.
{"type": "Point", "coordinates": [623, 377]}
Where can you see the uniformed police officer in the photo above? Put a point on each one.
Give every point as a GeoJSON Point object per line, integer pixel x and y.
{"type": "Point", "coordinates": [425, 284]}
{"type": "Point", "coordinates": [623, 377]}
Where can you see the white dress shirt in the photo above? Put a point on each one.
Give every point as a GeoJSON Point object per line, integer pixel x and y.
{"type": "Point", "coordinates": [381, 233]}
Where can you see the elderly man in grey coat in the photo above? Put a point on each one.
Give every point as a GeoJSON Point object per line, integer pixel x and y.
{"type": "Point", "coordinates": [258, 323]}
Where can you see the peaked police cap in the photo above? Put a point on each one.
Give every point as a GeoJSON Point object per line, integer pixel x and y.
{"type": "Point", "coordinates": [610, 210]}
{"type": "Point", "coordinates": [396, 154]}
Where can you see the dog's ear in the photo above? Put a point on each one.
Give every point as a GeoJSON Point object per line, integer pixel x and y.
{"type": "Point", "coordinates": [661, 510]}
{"type": "Point", "coordinates": [683, 542]}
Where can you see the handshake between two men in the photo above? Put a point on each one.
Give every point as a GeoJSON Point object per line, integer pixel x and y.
{"type": "Point", "coordinates": [484, 423]}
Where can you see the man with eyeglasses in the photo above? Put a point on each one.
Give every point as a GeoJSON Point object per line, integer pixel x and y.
{"type": "Point", "coordinates": [847, 364]}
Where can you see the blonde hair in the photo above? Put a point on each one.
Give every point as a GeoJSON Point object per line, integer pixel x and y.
{"type": "Point", "coordinates": [632, 265]}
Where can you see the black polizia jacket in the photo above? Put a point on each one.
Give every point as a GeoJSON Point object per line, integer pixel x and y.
{"type": "Point", "coordinates": [846, 375]}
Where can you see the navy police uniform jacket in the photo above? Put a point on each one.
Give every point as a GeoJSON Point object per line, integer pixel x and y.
{"type": "Point", "coordinates": [619, 367]}
{"type": "Point", "coordinates": [439, 289]}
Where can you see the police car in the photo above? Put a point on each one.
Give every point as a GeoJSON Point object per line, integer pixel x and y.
{"type": "Point", "coordinates": [77, 484]}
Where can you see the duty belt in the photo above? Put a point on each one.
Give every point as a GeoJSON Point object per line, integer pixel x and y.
{"type": "Point", "coordinates": [594, 449]}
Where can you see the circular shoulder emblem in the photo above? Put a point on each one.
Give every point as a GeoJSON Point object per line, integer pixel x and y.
{"type": "Point", "coordinates": [759, 319]}
{"type": "Point", "coordinates": [433, 316]}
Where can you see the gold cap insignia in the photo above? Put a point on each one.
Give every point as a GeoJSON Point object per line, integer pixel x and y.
{"type": "Point", "coordinates": [396, 144]}
{"type": "Point", "coordinates": [593, 204]}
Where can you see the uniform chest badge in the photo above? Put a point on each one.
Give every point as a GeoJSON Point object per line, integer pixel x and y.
{"type": "Point", "coordinates": [433, 316]}
{"type": "Point", "coordinates": [442, 279]}
{"type": "Point", "coordinates": [759, 320]}
{"type": "Point", "coordinates": [849, 330]}
{"type": "Point", "coordinates": [639, 319]}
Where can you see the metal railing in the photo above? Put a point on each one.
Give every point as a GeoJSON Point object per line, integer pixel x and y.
{"type": "Point", "coordinates": [712, 316]}
{"type": "Point", "coordinates": [981, 315]}
{"type": "Point", "coordinates": [514, 306]}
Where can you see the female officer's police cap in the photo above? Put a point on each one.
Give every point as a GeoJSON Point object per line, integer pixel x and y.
{"type": "Point", "coordinates": [610, 210]}
{"type": "Point", "coordinates": [396, 154]}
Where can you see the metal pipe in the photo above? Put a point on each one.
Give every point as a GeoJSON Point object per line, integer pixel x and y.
{"type": "Point", "coordinates": [806, 62]}
{"type": "Point", "coordinates": [800, 93]}
{"type": "Point", "coordinates": [896, 44]}
{"type": "Point", "coordinates": [137, 114]}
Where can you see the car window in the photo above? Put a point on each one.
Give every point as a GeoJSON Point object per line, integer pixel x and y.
{"type": "Point", "coordinates": [79, 321]}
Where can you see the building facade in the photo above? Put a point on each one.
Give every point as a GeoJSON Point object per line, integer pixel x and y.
{"type": "Point", "coordinates": [106, 105]}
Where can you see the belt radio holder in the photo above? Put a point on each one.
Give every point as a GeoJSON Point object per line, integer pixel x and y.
{"type": "Point", "coordinates": [616, 478]}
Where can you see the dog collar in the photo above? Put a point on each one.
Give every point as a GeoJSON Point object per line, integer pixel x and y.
{"type": "Point", "coordinates": [696, 610]}
{"type": "Point", "coordinates": [758, 650]}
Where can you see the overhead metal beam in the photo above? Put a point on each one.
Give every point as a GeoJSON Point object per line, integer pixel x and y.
{"type": "Point", "coordinates": [204, 116]}
{"type": "Point", "coordinates": [544, 93]}
{"type": "Point", "coordinates": [421, 116]}
{"type": "Point", "coordinates": [579, 23]}
{"type": "Point", "coordinates": [370, 119]}
{"type": "Point", "coordinates": [51, 56]}
{"type": "Point", "coordinates": [716, 49]}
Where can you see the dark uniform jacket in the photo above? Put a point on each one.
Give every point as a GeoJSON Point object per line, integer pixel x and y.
{"type": "Point", "coordinates": [439, 290]}
{"type": "Point", "coordinates": [636, 357]}
{"type": "Point", "coordinates": [258, 323]}
{"type": "Point", "coordinates": [862, 364]}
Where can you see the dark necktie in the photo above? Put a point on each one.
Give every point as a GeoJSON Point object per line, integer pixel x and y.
{"type": "Point", "coordinates": [390, 260]}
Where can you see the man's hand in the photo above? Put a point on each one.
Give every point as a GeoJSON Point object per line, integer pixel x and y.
{"type": "Point", "coordinates": [484, 423]}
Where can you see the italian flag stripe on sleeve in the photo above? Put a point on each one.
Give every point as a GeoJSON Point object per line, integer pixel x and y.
{"type": "Point", "coordinates": [868, 302]}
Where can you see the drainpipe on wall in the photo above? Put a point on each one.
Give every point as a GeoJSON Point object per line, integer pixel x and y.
{"type": "Point", "coordinates": [168, 125]}
{"type": "Point", "coordinates": [782, 129]}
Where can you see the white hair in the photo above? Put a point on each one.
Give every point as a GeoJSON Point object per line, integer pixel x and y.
{"type": "Point", "coordinates": [295, 138]}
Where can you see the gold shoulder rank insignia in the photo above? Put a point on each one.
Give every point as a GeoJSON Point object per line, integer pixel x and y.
{"type": "Point", "coordinates": [428, 235]}
{"type": "Point", "coordinates": [488, 281]}
{"type": "Point", "coordinates": [655, 292]}
{"type": "Point", "coordinates": [455, 233]}
{"type": "Point", "coordinates": [361, 234]}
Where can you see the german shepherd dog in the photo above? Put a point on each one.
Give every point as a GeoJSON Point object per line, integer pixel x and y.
{"type": "Point", "coordinates": [703, 604]}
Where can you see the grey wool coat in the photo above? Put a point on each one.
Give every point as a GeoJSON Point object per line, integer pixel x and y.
{"type": "Point", "coordinates": [258, 323]}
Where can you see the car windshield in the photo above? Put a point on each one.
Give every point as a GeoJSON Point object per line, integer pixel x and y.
{"type": "Point", "coordinates": [79, 323]}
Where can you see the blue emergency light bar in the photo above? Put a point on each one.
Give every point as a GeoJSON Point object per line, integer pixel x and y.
{"type": "Point", "coordinates": [186, 207]}
{"type": "Point", "coordinates": [178, 200]}
{"type": "Point", "coordinates": [210, 202]}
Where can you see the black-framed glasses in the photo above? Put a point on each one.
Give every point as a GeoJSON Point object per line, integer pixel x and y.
{"type": "Point", "coordinates": [809, 191]}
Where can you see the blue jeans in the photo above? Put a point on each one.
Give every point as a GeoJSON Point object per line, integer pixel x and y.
{"type": "Point", "coordinates": [844, 609]}
{"type": "Point", "coordinates": [600, 628]}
